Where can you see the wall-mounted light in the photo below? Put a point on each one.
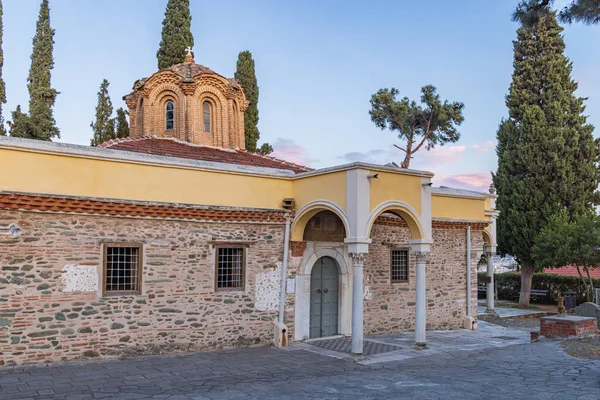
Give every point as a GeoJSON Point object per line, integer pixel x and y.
{"type": "Point", "coordinates": [373, 176]}
{"type": "Point", "coordinates": [12, 230]}
{"type": "Point", "coordinates": [427, 184]}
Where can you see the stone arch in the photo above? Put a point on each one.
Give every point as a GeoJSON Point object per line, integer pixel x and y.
{"type": "Point", "coordinates": [302, 311]}
{"type": "Point", "coordinates": [236, 133]}
{"type": "Point", "coordinates": [220, 117]}
{"type": "Point", "coordinates": [487, 236]}
{"type": "Point", "coordinates": [309, 210]}
{"type": "Point", "coordinates": [159, 95]}
{"type": "Point", "coordinates": [401, 209]}
{"type": "Point", "coordinates": [139, 116]}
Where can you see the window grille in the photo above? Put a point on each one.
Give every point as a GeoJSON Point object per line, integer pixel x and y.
{"type": "Point", "coordinates": [230, 268]}
{"type": "Point", "coordinates": [122, 269]}
{"type": "Point", "coordinates": [170, 116]}
{"type": "Point", "coordinates": [207, 111]}
{"type": "Point", "coordinates": [399, 270]}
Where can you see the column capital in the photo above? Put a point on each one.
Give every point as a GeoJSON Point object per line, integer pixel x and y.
{"type": "Point", "coordinates": [358, 259]}
{"type": "Point", "coordinates": [420, 256]}
{"type": "Point", "coordinates": [489, 249]}
{"type": "Point", "coordinates": [420, 245]}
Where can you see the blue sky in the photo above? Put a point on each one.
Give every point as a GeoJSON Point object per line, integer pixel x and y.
{"type": "Point", "coordinates": [317, 64]}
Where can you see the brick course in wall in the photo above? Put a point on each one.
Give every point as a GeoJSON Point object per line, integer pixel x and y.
{"type": "Point", "coordinates": [390, 307]}
{"type": "Point", "coordinates": [178, 309]}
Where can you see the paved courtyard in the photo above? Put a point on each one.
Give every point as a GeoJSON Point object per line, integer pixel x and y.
{"type": "Point", "coordinates": [492, 363]}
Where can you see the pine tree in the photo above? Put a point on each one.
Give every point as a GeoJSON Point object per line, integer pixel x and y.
{"type": "Point", "coordinates": [122, 125]}
{"type": "Point", "coordinates": [246, 76]}
{"type": "Point", "coordinates": [2, 88]}
{"type": "Point", "coordinates": [176, 34]}
{"type": "Point", "coordinates": [41, 124]}
{"type": "Point", "coordinates": [104, 126]}
{"type": "Point", "coordinates": [529, 12]}
{"type": "Point", "coordinates": [547, 156]}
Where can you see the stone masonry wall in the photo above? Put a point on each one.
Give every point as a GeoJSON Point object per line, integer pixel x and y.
{"type": "Point", "coordinates": [390, 308]}
{"type": "Point", "coordinates": [179, 310]}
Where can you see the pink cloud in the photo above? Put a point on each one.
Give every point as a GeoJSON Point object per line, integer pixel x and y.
{"type": "Point", "coordinates": [441, 155]}
{"type": "Point", "coordinates": [478, 181]}
{"type": "Point", "coordinates": [483, 147]}
{"type": "Point", "coordinates": [287, 149]}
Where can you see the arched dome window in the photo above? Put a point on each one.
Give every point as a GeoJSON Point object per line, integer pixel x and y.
{"type": "Point", "coordinates": [206, 112]}
{"type": "Point", "coordinates": [169, 116]}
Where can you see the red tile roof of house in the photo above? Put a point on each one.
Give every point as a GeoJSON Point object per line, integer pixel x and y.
{"type": "Point", "coordinates": [571, 270]}
{"type": "Point", "coordinates": [175, 148]}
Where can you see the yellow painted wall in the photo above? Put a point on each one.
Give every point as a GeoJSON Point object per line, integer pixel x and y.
{"type": "Point", "coordinates": [330, 187]}
{"type": "Point", "coordinates": [457, 208]}
{"type": "Point", "coordinates": [56, 174]}
{"type": "Point", "coordinates": [390, 186]}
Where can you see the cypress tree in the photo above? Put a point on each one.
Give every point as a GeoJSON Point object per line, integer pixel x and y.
{"type": "Point", "coordinates": [176, 34]}
{"type": "Point", "coordinates": [122, 123]}
{"type": "Point", "coordinates": [104, 126]}
{"type": "Point", "coordinates": [547, 156]}
{"type": "Point", "coordinates": [2, 88]}
{"type": "Point", "coordinates": [40, 124]}
{"type": "Point", "coordinates": [246, 76]}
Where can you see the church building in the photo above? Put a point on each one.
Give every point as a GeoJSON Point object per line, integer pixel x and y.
{"type": "Point", "coordinates": [177, 239]}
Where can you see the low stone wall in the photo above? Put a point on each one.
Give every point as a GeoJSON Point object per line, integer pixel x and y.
{"type": "Point", "coordinates": [390, 307]}
{"type": "Point", "coordinates": [49, 311]}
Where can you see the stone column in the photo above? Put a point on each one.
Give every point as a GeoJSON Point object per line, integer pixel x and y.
{"type": "Point", "coordinates": [490, 281]}
{"type": "Point", "coordinates": [420, 315]}
{"type": "Point", "coordinates": [358, 260]}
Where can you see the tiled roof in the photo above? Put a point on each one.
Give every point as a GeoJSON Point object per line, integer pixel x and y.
{"type": "Point", "coordinates": [571, 270]}
{"type": "Point", "coordinates": [175, 148]}
{"type": "Point", "coordinates": [26, 202]}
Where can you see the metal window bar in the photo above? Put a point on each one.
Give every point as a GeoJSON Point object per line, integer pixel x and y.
{"type": "Point", "coordinates": [399, 265]}
{"type": "Point", "coordinates": [122, 269]}
{"type": "Point", "coordinates": [230, 268]}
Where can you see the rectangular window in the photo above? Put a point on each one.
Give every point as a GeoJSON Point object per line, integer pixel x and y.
{"type": "Point", "coordinates": [230, 268]}
{"type": "Point", "coordinates": [122, 268]}
{"type": "Point", "coordinates": [399, 270]}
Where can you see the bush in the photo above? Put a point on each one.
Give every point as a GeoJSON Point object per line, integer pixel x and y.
{"type": "Point", "coordinates": [509, 285]}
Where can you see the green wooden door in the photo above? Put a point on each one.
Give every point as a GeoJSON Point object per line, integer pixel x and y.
{"type": "Point", "coordinates": [324, 282]}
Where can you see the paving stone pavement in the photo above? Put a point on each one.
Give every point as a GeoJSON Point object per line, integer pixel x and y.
{"type": "Point", "coordinates": [515, 371]}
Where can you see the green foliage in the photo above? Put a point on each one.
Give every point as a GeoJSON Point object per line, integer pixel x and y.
{"type": "Point", "coordinates": [176, 34]}
{"type": "Point", "coordinates": [40, 123]}
{"type": "Point", "coordinates": [21, 125]}
{"type": "Point", "coordinates": [246, 76]}
{"type": "Point", "coordinates": [122, 123]}
{"type": "Point", "coordinates": [529, 12]}
{"type": "Point", "coordinates": [509, 285]}
{"type": "Point", "coordinates": [265, 149]}
{"type": "Point", "coordinates": [430, 124]}
{"type": "Point", "coordinates": [2, 88]}
{"type": "Point", "coordinates": [104, 125]}
{"type": "Point", "coordinates": [546, 152]}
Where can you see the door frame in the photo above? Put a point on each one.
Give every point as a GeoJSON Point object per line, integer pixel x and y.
{"type": "Point", "coordinates": [331, 265]}
{"type": "Point", "coordinates": [313, 252]}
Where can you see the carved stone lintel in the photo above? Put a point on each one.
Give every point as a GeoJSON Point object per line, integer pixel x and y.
{"type": "Point", "coordinates": [358, 258]}
{"type": "Point", "coordinates": [420, 256]}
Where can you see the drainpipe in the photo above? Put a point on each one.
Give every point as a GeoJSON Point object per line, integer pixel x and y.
{"type": "Point", "coordinates": [469, 313]}
{"type": "Point", "coordinates": [286, 245]}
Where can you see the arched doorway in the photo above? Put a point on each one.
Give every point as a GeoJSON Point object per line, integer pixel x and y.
{"type": "Point", "coordinates": [324, 298]}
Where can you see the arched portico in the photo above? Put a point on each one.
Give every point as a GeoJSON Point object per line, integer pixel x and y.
{"type": "Point", "coordinates": [304, 214]}
{"type": "Point", "coordinates": [404, 211]}
{"type": "Point", "coordinates": [312, 253]}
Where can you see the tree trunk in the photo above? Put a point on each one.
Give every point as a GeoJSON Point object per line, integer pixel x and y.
{"type": "Point", "coordinates": [406, 161]}
{"type": "Point", "coordinates": [527, 271]}
{"type": "Point", "coordinates": [587, 287]}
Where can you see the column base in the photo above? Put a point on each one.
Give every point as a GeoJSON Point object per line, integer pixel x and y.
{"type": "Point", "coordinates": [491, 311]}
{"type": "Point", "coordinates": [420, 346]}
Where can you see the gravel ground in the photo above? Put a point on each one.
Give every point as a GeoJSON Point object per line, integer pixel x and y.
{"type": "Point", "coordinates": [583, 348]}
{"type": "Point", "coordinates": [533, 323]}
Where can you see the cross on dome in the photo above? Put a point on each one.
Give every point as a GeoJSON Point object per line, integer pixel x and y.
{"type": "Point", "coordinates": [189, 51]}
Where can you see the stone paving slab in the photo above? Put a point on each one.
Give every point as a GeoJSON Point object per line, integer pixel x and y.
{"type": "Point", "coordinates": [471, 370]}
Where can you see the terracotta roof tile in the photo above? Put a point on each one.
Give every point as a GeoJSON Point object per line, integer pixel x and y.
{"type": "Point", "coordinates": [571, 270]}
{"type": "Point", "coordinates": [175, 148]}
